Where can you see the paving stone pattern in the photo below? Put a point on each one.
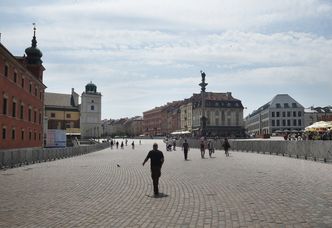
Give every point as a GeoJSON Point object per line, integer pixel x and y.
{"type": "Point", "coordinates": [243, 190]}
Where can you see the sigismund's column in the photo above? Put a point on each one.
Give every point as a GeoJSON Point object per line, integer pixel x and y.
{"type": "Point", "coordinates": [203, 118]}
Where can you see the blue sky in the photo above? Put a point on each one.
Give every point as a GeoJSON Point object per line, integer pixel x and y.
{"type": "Point", "coordinates": [143, 54]}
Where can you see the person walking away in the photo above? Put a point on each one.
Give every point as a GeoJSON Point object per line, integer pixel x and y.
{"type": "Point", "coordinates": [122, 145]}
{"type": "Point", "coordinates": [174, 144]}
{"type": "Point", "coordinates": [185, 147]}
{"type": "Point", "coordinates": [117, 144]}
{"type": "Point", "coordinates": [112, 144]}
{"type": "Point", "coordinates": [210, 148]}
{"type": "Point", "coordinates": [226, 146]}
{"type": "Point", "coordinates": [202, 145]}
{"type": "Point", "coordinates": [156, 161]}
{"type": "Point", "coordinates": [133, 145]}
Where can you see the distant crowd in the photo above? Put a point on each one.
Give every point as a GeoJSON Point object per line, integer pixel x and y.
{"type": "Point", "coordinates": [327, 135]}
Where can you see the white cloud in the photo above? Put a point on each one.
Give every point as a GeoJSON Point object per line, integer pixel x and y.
{"type": "Point", "coordinates": [144, 53]}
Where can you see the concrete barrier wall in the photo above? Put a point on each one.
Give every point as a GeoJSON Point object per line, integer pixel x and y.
{"type": "Point", "coordinates": [314, 150]}
{"type": "Point", "coordinates": [13, 158]}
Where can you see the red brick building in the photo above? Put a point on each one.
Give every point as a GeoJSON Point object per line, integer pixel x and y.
{"type": "Point", "coordinates": [21, 98]}
{"type": "Point", "coordinates": [162, 120]}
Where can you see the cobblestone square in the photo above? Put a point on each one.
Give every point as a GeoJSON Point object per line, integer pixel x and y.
{"type": "Point", "coordinates": [111, 188]}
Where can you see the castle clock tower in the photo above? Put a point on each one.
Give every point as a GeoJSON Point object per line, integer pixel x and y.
{"type": "Point", "coordinates": [90, 121]}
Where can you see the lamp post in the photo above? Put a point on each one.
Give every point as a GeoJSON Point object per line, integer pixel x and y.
{"type": "Point", "coordinates": [203, 118]}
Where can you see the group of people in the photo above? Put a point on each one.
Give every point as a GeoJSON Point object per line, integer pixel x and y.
{"type": "Point", "coordinates": [116, 144]}
{"type": "Point", "coordinates": [157, 157]}
{"type": "Point", "coordinates": [210, 146]}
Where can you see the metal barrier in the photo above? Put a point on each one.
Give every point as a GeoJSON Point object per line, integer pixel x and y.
{"type": "Point", "coordinates": [14, 158]}
{"type": "Point", "coordinates": [319, 150]}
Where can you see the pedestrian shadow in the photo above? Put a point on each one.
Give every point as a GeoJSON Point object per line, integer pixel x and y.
{"type": "Point", "coordinates": [160, 195]}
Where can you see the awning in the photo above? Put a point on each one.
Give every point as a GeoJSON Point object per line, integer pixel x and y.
{"type": "Point", "coordinates": [72, 133]}
{"type": "Point", "coordinates": [180, 132]}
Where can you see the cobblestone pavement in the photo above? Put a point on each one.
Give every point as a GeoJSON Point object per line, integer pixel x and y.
{"type": "Point", "coordinates": [243, 190]}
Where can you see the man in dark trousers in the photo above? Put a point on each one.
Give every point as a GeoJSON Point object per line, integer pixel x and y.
{"type": "Point", "coordinates": [185, 147]}
{"type": "Point", "coordinates": [157, 160]}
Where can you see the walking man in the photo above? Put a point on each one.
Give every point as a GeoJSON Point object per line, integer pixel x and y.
{"type": "Point", "coordinates": [202, 145]}
{"type": "Point", "coordinates": [185, 147]}
{"type": "Point", "coordinates": [226, 146]}
{"type": "Point", "coordinates": [156, 161]}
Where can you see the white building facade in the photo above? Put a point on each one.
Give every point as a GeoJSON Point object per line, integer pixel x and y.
{"type": "Point", "coordinates": [186, 116]}
{"type": "Point", "coordinates": [90, 121]}
{"type": "Point", "coordinates": [281, 114]}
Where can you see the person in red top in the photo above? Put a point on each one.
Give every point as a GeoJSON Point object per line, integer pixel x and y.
{"type": "Point", "coordinates": [156, 160]}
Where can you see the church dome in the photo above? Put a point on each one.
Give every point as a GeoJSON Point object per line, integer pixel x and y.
{"type": "Point", "coordinates": [91, 88]}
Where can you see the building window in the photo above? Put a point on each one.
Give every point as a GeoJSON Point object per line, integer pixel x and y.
{"type": "Point", "coordinates": [22, 83]}
{"type": "Point", "coordinates": [35, 116]}
{"type": "Point", "coordinates": [294, 114]}
{"type": "Point", "coordinates": [40, 118]}
{"type": "Point", "coordinates": [278, 122]}
{"type": "Point", "coordinates": [22, 134]}
{"type": "Point", "coordinates": [15, 77]}
{"type": "Point", "coordinates": [294, 122]}
{"type": "Point", "coordinates": [278, 114]}
{"type": "Point", "coordinates": [6, 71]}
{"type": "Point", "coordinates": [4, 133]}
{"type": "Point", "coordinates": [288, 122]}
{"type": "Point", "coordinates": [294, 105]}
{"type": "Point", "coordinates": [299, 122]}
{"type": "Point", "coordinates": [68, 115]}
{"type": "Point", "coordinates": [53, 115]}
{"type": "Point", "coordinates": [92, 107]}
{"type": "Point", "coordinates": [283, 114]}
{"type": "Point", "coordinates": [13, 134]}
{"type": "Point", "coordinates": [14, 109]}
{"type": "Point", "coordinates": [35, 136]}
{"type": "Point", "coordinates": [278, 105]}
{"type": "Point", "coordinates": [22, 111]}
{"type": "Point", "coordinates": [30, 135]}
{"type": "Point", "coordinates": [299, 114]}
{"type": "Point", "coordinates": [92, 101]}
{"type": "Point", "coordinates": [30, 113]}
{"type": "Point", "coordinates": [286, 105]}
{"type": "Point", "coordinates": [30, 87]}
{"type": "Point", "coordinates": [272, 114]}
{"type": "Point", "coordinates": [237, 119]}
{"type": "Point", "coordinates": [288, 114]}
{"type": "Point", "coordinates": [4, 106]}
{"type": "Point", "coordinates": [273, 123]}
{"type": "Point", "coordinates": [39, 136]}
{"type": "Point", "coordinates": [283, 122]}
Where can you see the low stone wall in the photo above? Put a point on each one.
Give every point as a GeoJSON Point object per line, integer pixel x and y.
{"type": "Point", "coordinates": [313, 150]}
{"type": "Point", "coordinates": [13, 158]}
